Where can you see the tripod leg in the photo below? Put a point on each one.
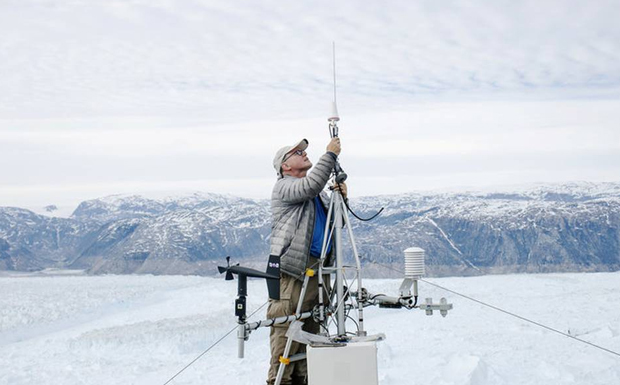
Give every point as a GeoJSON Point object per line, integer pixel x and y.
{"type": "Point", "coordinates": [326, 236]}
{"type": "Point", "coordinates": [338, 214]}
{"type": "Point", "coordinates": [284, 359]}
{"type": "Point", "coordinates": [360, 307]}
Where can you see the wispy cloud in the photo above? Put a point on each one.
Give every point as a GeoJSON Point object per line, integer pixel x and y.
{"type": "Point", "coordinates": [155, 92]}
{"type": "Point", "coordinates": [85, 58]}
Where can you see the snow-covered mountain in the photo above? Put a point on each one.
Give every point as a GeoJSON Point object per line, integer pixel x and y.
{"type": "Point", "coordinates": [544, 228]}
{"type": "Point", "coordinates": [29, 241]}
{"type": "Point", "coordinates": [547, 228]}
{"type": "Point", "coordinates": [179, 235]}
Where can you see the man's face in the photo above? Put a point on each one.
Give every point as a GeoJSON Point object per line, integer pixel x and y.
{"type": "Point", "coordinates": [297, 161]}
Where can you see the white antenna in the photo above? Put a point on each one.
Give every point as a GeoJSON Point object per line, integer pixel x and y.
{"type": "Point", "coordinates": [334, 58]}
{"type": "Point", "coordinates": [333, 117]}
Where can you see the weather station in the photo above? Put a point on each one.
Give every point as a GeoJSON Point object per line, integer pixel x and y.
{"type": "Point", "coordinates": [343, 352]}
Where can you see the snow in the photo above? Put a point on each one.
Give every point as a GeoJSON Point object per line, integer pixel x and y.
{"type": "Point", "coordinates": [75, 329]}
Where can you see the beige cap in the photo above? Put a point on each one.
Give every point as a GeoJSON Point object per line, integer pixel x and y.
{"type": "Point", "coordinates": [277, 160]}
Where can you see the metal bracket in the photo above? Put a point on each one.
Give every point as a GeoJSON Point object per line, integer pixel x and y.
{"type": "Point", "coordinates": [405, 287]}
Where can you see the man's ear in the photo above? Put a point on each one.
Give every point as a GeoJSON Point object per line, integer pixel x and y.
{"type": "Point", "coordinates": [286, 167]}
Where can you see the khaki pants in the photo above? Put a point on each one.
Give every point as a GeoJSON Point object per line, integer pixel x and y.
{"type": "Point", "coordinates": [290, 289]}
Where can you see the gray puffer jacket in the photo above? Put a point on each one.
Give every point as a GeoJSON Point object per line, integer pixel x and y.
{"type": "Point", "coordinates": [292, 211]}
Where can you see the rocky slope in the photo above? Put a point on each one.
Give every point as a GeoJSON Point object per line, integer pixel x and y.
{"type": "Point", "coordinates": [550, 229]}
{"type": "Point", "coordinates": [572, 227]}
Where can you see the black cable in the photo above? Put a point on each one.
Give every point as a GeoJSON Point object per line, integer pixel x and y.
{"type": "Point", "coordinates": [324, 328]}
{"type": "Point", "coordinates": [507, 312]}
{"type": "Point", "coordinates": [346, 203]}
{"type": "Point", "coordinates": [355, 322]}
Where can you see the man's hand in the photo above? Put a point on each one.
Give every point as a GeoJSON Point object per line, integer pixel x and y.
{"type": "Point", "coordinates": [334, 146]}
{"type": "Point", "coordinates": [342, 187]}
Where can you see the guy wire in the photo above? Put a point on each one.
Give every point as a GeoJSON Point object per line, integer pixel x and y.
{"type": "Point", "coordinates": [210, 347]}
{"type": "Point", "coordinates": [506, 312]}
{"type": "Point", "coordinates": [225, 335]}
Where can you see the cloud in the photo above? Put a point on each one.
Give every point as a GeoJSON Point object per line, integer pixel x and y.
{"type": "Point", "coordinates": [101, 92]}
{"type": "Point", "coordinates": [96, 58]}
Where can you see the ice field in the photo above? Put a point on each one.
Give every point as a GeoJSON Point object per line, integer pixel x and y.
{"type": "Point", "coordinates": [72, 329]}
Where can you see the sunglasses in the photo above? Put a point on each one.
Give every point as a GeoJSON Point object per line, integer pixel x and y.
{"type": "Point", "coordinates": [296, 152]}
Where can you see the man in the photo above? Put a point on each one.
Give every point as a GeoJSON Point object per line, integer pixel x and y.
{"type": "Point", "coordinates": [298, 222]}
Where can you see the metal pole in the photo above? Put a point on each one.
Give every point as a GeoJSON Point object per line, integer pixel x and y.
{"type": "Point", "coordinates": [340, 316]}
{"type": "Point", "coordinates": [360, 307]}
{"type": "Point", "coordinates": [326, 234]}
{"type": "Point", "coordinates": [241, 339]}
{"type": "Point", "coordinates": [277, 321]}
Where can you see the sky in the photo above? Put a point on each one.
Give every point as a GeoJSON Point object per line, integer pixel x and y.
{"type": "Point", "coordinates": [167, 97]}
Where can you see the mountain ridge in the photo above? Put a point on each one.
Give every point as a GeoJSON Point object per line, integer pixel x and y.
{"type": "Point", "coordinates": [569, 227]}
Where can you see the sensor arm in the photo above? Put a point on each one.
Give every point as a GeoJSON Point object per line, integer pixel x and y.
{"type": "Point", "coordinates": [386, 301]}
